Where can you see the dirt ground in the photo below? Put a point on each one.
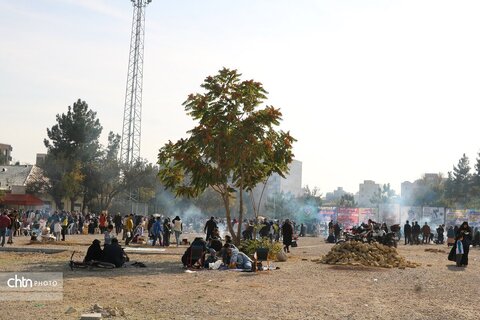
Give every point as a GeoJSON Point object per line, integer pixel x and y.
{"type": "Point", "coordinates": [299, 289]}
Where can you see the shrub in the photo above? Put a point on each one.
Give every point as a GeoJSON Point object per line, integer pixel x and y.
{"type": "Point", "coordinates": [249, 246]}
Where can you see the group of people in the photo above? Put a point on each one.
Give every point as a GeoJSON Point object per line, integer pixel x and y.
{"type": "Point", "coordinates": [112, 253]}
{"type": "Point", "coordinates": [412, 233]}
{"type": "Point", "coordinates": [207, 253]}
{"type": "Point", "coordinates": [222, 252]}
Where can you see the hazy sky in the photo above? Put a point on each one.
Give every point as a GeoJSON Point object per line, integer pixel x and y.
{"type": "Point", "coordinates": [379, 90]}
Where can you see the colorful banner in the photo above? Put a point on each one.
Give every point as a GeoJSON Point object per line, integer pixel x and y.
{"type": "Point", "coordinates": [364, 214]}
{"type": "Point", "coordinates": [473, 218]}
{"type": "Point", "coordinates": [347, 217]}
{"type": "Point", "coordinates": [327, 214]}
{"type": "Point", "coordinates": [389, 213]}
{"type": "Point", "coordinates": [433, 216]}
{"type": "Point", "coordinates": [455, 217]}
{"type": "Point", "coordinates": [411, 214]}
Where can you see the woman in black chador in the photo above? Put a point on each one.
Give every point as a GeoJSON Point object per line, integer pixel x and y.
{"type": "Point", "coordinates": [466, 231]}
{"type": "Point", "coordinates": [287, 233]}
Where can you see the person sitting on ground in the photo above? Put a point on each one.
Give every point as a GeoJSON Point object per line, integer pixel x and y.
{"type": "Point", "coordinates": [239, 260]}
{"type": "Point", "coordinates": [109, 235]}
{"type": "Point", "coordinates": [94, 252]}
{"type": "Point", "coordinates": [212, 258]}
{"type": "Point", "coordinates": [186, 258]}
{"type": "Point", "coordinates": [114, 254]}
{"type": "Point", "coordinates": [215, 243]}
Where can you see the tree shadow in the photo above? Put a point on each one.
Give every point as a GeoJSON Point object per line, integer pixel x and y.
{"type": "Point", "coordinates": [152, 268]}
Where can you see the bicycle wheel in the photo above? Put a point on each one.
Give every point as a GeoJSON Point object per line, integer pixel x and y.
{"type": "Point", "coordinates": [103, 265]}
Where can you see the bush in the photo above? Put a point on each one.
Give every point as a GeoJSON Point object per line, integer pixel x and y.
{"type": "Point", "coordinates": [250, 246]}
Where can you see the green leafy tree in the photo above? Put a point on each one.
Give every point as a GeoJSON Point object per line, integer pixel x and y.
{"type": "Point", "coordinates": [429, 192]}
{"type": "Point", "coordinates": [475, 185]}
{"type": "Point", "coordinates": [459, 183]}
{"type": "Point", "coordinates": [233, 147]}
{"type": "Point", "coordinates": [103, 179]}
{"type": "Point", "coordinates": [72, 183]}
{"type": "Point", "coordinates": [75, 136]}
{"type": "Point", "coordinates": [72, 144]}
{"type": "Point", "coordinates": [346, 201]}
{"type": "Point", "coordinates": [383, 195]}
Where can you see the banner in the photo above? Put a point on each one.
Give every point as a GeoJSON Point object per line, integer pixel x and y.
{"type": "Point", "coordinates": [347, 217]}
{"type": "Point", "coordinates": [433, 216]}
{"type": "Point", "coordinates": [455, 217]}
{"type": "Point", "coordinates": [389, 213]}
{"type": "Point", "coordinates": [366, 213]}
{"type": "Point", "coordinates": [411, 214]}
{"type": "Point", "coordinates": [327, 214]}
{"type": "Point", "coordinates": [473, 218]}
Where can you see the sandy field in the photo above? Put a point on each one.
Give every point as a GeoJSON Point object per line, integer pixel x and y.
{"type": "Point", "coordinates": [299, 289]}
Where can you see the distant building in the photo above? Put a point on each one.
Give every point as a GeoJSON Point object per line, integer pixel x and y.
{"type": "Point", "coordinates": [410, 190]}
{"type": "Point", "coordinates": [14, 181]}
{"type": "Point", "coordinates": [5, 154]}
{"type": "Point", "coordinates": [366, 192]}
{"type": "Point", "coordinates": [335, 195]}
{"type": "Point", "coordinates": [292, 183]}
{"type": "Point", "coordinates": [40, 159]}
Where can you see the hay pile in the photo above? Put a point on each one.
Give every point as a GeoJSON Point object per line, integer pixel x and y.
{"type": "Point", "coordinates": [355, 253]}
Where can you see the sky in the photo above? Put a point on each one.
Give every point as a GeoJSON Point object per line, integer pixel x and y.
{"type": "Point", "coordinates": [372, 90]}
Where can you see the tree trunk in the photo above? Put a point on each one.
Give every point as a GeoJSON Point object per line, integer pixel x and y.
{"type": "Point", "coordinates": [240, 219]}
{"type": "Point", "coordinates": [58, 203]}
{"type": "Point", "coordinates": [226, 203]}
{"type": "Point", "coordinates": [72, 204]}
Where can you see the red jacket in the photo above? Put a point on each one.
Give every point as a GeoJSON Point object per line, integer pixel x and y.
{"type": "Point", "coordinates": [5, 221]}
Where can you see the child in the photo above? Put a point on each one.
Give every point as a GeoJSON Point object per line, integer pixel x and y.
{"type": "Point", "coordinates": [459, 250]}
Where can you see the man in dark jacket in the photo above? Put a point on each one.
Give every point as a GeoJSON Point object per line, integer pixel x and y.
{"type": "Point", "coordinates": [209, 227]}
{"type": "Point", "coordinates": [416, 233]}
{"type": "Point", "coordinates": [407, 231]}
{"type": "Point", "coordinates": [440, 232]}
{"type": "Point", "coordinates": [113, 253]}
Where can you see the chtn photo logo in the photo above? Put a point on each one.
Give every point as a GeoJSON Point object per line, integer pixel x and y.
{"type": "Point", "coordinates": [22, 282]}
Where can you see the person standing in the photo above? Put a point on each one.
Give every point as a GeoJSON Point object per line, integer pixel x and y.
{"type": "Point", "coordinates": [108, 235]}
{"type": "Point", "coordinates": [167, 230]}
{"type": "Point", "coordinates": [117, 221]}
{"type": "Point", "coordinates": [102, 223]}
{"type": "Point", "coordinates": [426, 233]}
{"type": "Point", "coordinates": [466, 232]}
{"type": "Point", "coordinates": [157, 231]}
{"type": "Point", "coordinates": [64, 226]}
{"type": "Point", "coordinates": [450, 236]}
{"type": "Point", "coordinates": [407, 231]}
{"type": "Point", "coordinates": [57, 230]}
{"type": "Point", "coordinates": [209, 227]}
{"type": "Point", "coordinates": [177, 228]}
{"type": "Point", "coordinates": [128, 229]}
{"type": "Point", "coordinates": [11, 227]}
{"type": "Point", "coordinates": [440, 232]}
{"type": "Point", "coordinates": [287, 232]}
{"type": "Point", "coordinates": [4, 224]}
{"type": "Point", "coordinates": [416, 233]}
{"type": "Point", "coordinates": [459, 250]}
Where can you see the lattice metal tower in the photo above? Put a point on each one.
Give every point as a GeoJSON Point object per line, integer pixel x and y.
{"type": "Point", "coordinates": [132, 114]}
